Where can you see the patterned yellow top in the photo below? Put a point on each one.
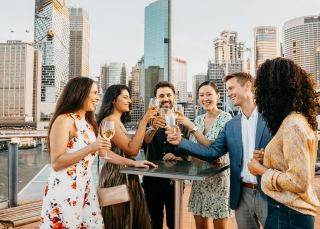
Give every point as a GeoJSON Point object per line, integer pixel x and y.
{"type": "Point", "coordinates": [290, 158]}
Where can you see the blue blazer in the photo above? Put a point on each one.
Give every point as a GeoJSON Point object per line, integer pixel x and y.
{"type": "Point", "coordinates": [229, 140]}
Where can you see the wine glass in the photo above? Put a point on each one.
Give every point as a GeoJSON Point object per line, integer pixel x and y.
{"type": "Point", "coordinates": [153, 105]}
{"type": "Point", "coordinates": [107, 131]}
{"type": "Point", "coordinates": [178, 110]}
{"type": "Point", "coordinates": [171, 122]}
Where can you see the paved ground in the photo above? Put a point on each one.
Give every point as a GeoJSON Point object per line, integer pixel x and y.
{"type": "Point", "coordinates": [188, 222]}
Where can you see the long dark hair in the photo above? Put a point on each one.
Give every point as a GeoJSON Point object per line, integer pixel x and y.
{"type": "Point", "coordinates": [282, 87]}
{"type": "Point", "coordinates": [109, 97]}
{"type": "Point", "coordinates": [72, 99]}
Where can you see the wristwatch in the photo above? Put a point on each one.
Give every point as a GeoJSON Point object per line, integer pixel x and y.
{"type": "Point", "coordinates": [194, 129]}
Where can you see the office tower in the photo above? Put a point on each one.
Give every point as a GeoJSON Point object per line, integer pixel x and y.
{"type": "Point", "coordinates": [137, 101]}
{"type": "Point", "coordinates": [179, 79]}
{"type": "Point", "coordinates": [52, 38]}
{"type": "Point", "coordinates": [17, 83]}
{"type": "Point", "coordinates": [228, 59]}
{"type": "Point", "coordinates": [37, 87]}
{"type": "Point", "coordinates": [317, 65]}
{"type": "Point", "coordinates": [266, 44]}
{"type": "Point", "coordinates": [196, 81]}
{"type": "Point", "coordinates": [156, 38]}
{"type": "Point", "coordinates": [79, 43]}
{"type": "Point", "coordinates": [301, 37]}
{"type": "Point", "coordinates": [153, 74]}
{"type": "Point", "coordinates": [113, 73]}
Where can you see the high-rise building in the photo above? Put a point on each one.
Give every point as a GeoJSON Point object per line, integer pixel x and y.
{"type": "Point", "coordinates": [52, 38]}
{"type": "Point", "coordinates": [37, 86]}
{"type": "Point", "coordinates": [17, 83]}
{"type": "Point", "coordinates": [228, 59]}
{"type": "Point", "coordinates": [79, 43]}
{"type": "Point", "coordinates": [196, 81]}
{"type": "Point", "coordinates": [113, 73]}
{"type": "Point", "coordinates": [301, 37]}
{"type": "Point", "coordinates": [317, 66]}
{"type": "Point", "coordinates": [156, 38]}
{"type": "Point", "coordinates": [153, 74]}
{"type": "Point", "coordinates": [266, 44]}
{"type": "Point", "coordinates": [137, 108]}
{"type": "Point", "coordinates": [179, 79]}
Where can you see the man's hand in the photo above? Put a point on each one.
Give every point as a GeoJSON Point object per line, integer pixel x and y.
{"type": "Point", "coordinates": [169, 157]}
{"type": "Point", "coordinates": [255, 168]}
{"type": "Point", "coordinates": [158, 122]}
{"type": "Point", "coordinates": [259, 155]}
{"type": "Point", "coordinates": [174, 137]}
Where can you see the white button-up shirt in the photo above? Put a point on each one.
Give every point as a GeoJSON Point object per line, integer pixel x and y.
{"type": "Point", "coordinates": [248, 130]}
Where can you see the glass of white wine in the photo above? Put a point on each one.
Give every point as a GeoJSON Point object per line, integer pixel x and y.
{"type": "Point", "coordinates": [107, 131]}
{"type": "Point", "coordinates": [178, 111]}
{"type": "Point", "coordinates": [153, 105]}
{"type": "Point", "coordinates": [171, 122]}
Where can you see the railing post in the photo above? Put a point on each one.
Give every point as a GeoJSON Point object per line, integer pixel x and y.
{"type": "Point", "coordinates": [13, 174]}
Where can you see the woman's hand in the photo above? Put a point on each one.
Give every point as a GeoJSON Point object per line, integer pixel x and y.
{"type": "Point", "coordinates": [259, 155]}
{"type": "Point", "coordinates": [100, 144]}
{"type": "Point", "coordinates": [174, 137]}
{"type": "Point", "coordinates": [255, 168]}
{"type": "Point", "coordinates": [143, 164]}
{"type": "Point", "coordinates": [183, 120]}
{"type": "Point", "coordinates": [149, 115]}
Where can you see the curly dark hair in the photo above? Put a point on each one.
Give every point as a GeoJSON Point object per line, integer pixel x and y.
{"type": "Point", "coordinates": [282, 87]}
{"type": "Point", "coordinates": [111, 95]}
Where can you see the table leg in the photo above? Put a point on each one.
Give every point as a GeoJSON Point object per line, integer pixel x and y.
{"type": "Point", "coordinates": [178, 201]}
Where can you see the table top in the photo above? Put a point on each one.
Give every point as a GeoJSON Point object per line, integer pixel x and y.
{"type": "Point", "coordinates": [178, 170]}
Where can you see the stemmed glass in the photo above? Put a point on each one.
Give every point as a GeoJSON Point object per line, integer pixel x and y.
{"type": "Point", "coordinates": [107, 131]}
{"type": "Point", "coordinates": [171, 122]}
{"type": "Point", "coordinates": [178, 111]}
{"type": "Point", "coordinates": [153, 105]}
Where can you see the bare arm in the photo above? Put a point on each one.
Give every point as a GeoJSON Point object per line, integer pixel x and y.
{"type": "Point", "coordinates": [201, 139]}
{"type": "Point", "coordinates": [62, 130]}
{"type": "Point", "coordinates": [131, 146]}
{"type": "Point", "coordinates": [158, 122]}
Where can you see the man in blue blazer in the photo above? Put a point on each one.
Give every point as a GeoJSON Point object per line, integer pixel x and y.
{"type": "Point", "coordinates": [241, 136]}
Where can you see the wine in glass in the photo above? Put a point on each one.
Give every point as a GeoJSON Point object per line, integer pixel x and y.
{"type": "Point", "coordinates": [107, 131]}
{"type": "Point", "coordinates": [153, 105]}
{"type": "Point", "coordinates": [171, 122]}
{"type": "Point", "coordinates": [178, 111]}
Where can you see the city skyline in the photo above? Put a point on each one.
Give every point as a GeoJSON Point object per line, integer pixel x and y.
{"type": "Point", "coordinates": [194, 26]}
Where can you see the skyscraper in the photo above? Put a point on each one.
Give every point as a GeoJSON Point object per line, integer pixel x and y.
{"type": "Point", "coordinates": [79, 43]}
{"type": "Point", "coordinates": [17, 83]}
{"type": "Point", "coordinates": [196, 81]}
{"type": "Point", "coordinates": [266, 44]}
{"type": "Point", "coordinates": [301, 38]}
{"type": "Point", "coordinates": [52, 38]}
{"type": "Point", "coordinates": [317, 65]}
{"type": "Point", "coordinates": [179, 79]}
{"type": "Point", "coordinates": [153, 74]}
{"type": "Point", "coordinates": [112, 73]}
{"type": "Point", "coordinates": [228, 59]}
{"type": "Point", "coordinates": [156, 38]}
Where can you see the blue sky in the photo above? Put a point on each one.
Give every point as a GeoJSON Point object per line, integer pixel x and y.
{"type": "Point", "coordinates": [117, 25]}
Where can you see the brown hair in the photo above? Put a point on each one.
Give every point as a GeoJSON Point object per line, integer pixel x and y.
{"type": "Point", "coordinates": [72, 99]}
{"type": "Point", "coordinates": [163, 84]}
{"type": "Point", "coordinates": [242, 77]}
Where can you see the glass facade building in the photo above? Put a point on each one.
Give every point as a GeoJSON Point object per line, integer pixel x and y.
{"type": "Point", "coordinates": [301, 37]}
{"type": "Point", "coordinates": [52, 38]}
{"type": "Point", "coordinates": [266, 44]}
{"type": "Point", "coordinates": [79, 43]}
{"type": "Point", "coordinates": [156, 38]}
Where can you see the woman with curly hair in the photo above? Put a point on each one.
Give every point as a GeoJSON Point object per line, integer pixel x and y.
{"type": "Point", "coordinates": [286, 97]}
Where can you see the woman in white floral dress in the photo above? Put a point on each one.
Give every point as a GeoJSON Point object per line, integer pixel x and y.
{"type": "Point", "coordinates": [70, 199]}
{"type": "Point", "coordinates": [209, 198]}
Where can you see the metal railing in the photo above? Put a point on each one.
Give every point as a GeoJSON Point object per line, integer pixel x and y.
{"type": "Point", "coordinates": [13, 163]}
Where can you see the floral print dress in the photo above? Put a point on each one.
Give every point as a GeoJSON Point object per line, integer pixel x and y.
{"type": "Point", "coordinates": [70, 200]}
{"type": "Point", "coordinates": [210, 198]}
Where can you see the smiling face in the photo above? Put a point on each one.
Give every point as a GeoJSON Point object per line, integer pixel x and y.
{"type": "Point", "coordinates": [165, 95]}
{"type": "Point", "coordinates": [238, 93]}
{"type": "Point", "coordinates": [208, 97]}
{"type": "Point", "coordinates": [123, 101]}
{"type": "Point", "coordinates": [90, 103]}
